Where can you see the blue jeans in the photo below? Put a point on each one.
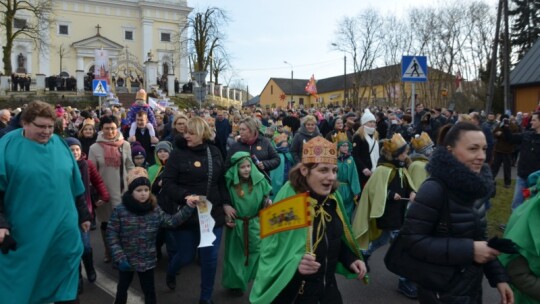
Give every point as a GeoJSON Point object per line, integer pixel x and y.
{"type": "Point", "coordinates": [518, 194]}
{"type": "Point", "coordinates": [383, 239]}
{"type": "Point", "coordinates": [85, 236]}
{"type": "Point", "coordinates": [184, 244]}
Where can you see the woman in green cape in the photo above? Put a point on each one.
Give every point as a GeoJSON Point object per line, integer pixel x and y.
{"type": "Point", "coordinates": [299, 265]}
{"type": "Point", "coordinates": [249, 190]}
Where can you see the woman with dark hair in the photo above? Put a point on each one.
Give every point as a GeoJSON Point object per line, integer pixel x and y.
{"type": "Point", "coordinates": [460, 179]}
{"type": "Point", "coordinates": [41, 209]}
{"type": "Point", "coordinates": [298, 266]}
{"type": "Point", "coordinates": [194, 168]}
{"type": "Point", "coordinates": [112, 156]}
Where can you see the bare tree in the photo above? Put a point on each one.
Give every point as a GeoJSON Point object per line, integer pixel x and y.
{"type": "Point", "coordinates": [206, 36]}
{"type": "Point", "coordinates": [33, 28]}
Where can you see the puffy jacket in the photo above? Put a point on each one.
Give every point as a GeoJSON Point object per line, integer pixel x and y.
{"type": "Point", "coordinates": [465, 192]}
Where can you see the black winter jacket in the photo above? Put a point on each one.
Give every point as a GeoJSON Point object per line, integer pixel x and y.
{"type": "Point", "coordinates": [186, 173]}
{"type": "Point", "coordinates": [465, 192]}
{"type": "Point", "coordinates": [262, 148]}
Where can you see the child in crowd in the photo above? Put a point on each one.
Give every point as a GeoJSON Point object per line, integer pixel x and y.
{"type": "Point", "coordinates": [138, 155]}
{"type": "Point", "coordinates": [90, 176]}
{"type": "Point", "coordinates": [131, 234]}
{"type": "Point", "coordinates": [249, 191]}
{"type": "Point", "coordinates": [349, 182]}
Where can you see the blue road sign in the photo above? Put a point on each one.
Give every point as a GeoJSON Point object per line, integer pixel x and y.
{"type": "Point", "coordinates": [99, 87]}
{"type": "Point", "coordinates": [414, 68]}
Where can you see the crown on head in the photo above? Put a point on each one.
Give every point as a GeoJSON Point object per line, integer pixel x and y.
{"type": "Point", "coordinates": [420, 142]}
{"type": "Point", "coordinates": [319, 150]}
{"type": "Point", "coordinates": [340, 137]}
{"type": "Point", "coordinates": [395, 143]}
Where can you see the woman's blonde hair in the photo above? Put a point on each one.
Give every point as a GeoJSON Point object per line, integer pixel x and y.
{"type": "Point", "coordinates": [199, 127]}
{"type": "Point", "coordinates": [362, 133]}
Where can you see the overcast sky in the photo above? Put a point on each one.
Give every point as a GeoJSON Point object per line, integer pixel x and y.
{"type": "Point", "coordinates": [263, 34]}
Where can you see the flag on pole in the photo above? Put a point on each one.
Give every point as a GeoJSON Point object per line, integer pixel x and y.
{"type": "Point", "coordinates": [311, 87]}
{"type": "Point", "coordinates": [458, 82]}
{"type": "Point", "coordinates": [288, 214]}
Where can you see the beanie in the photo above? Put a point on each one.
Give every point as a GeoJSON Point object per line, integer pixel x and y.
{"type": "Point", "coordinates": [164, 145]}
{"type": "Point", "coordinates": [72, 141]}
{"type": "Point", "coordinates": [137, 149]}
{"type": "Point", "coordinates": [137, 177]}
{"type": "Point", "coordinates": [367, 117]}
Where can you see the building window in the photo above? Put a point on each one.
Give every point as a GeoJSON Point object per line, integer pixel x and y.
{"type": "Point", "coordinates": [166, 37]}
{"type": "Point", "coordinates": [19, 23]}
{"type": "Point", "coordinates": [63, 29]}
{"type": "Point", "coordinates": [128, 35]}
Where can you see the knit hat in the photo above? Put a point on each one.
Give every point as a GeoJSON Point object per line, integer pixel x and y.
{"type": "Point", "coordinates": [164, 145]}
{"type": "Point", "coordinates": [367, 117]}
{"type": "Point", "coordinates": [137, 149]}
{"type": "Point", "coordinates": [137, 177]}
{"type": "Point", "coordinates": [72, 141]}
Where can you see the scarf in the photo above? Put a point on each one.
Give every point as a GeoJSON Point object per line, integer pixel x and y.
{"type": "Point", "coordinates": [112, 155]}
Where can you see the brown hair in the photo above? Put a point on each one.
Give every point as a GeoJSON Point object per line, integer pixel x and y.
{"type": "Point", "coordinates": [37, 108]}
{"type": "Point", "coordinates": [299, 182]}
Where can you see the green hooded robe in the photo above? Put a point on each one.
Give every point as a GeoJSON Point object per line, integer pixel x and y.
{"type": "Point", "coordinates": [241, 254]}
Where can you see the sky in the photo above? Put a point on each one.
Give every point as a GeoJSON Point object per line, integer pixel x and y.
{"type": "Point", "coordinates": [261, 35]}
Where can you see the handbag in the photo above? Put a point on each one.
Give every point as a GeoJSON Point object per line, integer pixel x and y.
{"type": "Point", "coordinates": [436, 277]}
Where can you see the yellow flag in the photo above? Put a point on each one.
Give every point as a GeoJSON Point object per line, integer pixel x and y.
{"type": "Point", "coordinates": [288, 214]}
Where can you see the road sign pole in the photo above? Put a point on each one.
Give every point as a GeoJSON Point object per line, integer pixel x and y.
{"type": "Point", "coordinates": [412, 103]}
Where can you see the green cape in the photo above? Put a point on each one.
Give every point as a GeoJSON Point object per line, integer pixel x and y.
{"type": "Point", "coordinates": [372, 204]}
{"type": "Point", "coordinates": [281, 253]}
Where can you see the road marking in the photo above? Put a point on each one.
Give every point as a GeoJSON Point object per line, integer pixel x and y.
{"type": "Point", "coordinates": [108, 284]}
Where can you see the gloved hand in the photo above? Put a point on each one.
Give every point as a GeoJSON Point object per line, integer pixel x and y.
{"type": "Point", "coordinates": [503, 245]}
{"type": "Point", "coordinates": [8, 244]}
{"type": "Point", "coordinates": [124, 266]}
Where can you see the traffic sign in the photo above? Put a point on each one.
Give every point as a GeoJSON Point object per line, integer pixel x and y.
{"type": "Point", "coordinates": [414, 68]}
{"type": "Point", "coordinates": [99, 87]}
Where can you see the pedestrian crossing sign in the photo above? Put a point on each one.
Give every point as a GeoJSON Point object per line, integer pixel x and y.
{"type": "Point", "coordinates": [414, 68]}
{"type": "Point", "coordinates": [99, 87]}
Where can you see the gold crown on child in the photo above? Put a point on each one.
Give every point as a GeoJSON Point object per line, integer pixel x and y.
{"type": "Point", "coordinates": [319, 150]}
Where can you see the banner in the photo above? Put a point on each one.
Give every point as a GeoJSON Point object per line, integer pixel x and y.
{"type": "Point", "coordinates": [101, 65]}
{"type": "Point", "coordinates": [206, 222]}
{"type": "Point", "coordinates": [288, 214]}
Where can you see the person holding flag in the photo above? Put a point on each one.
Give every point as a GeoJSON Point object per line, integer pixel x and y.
{"type": "Point", "coordinates": [299, 265]}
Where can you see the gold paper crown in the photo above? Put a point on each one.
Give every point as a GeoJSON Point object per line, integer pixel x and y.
{"type": "Point", "coordinates": [340, 137]}
{"type": "Point", "coordinates": [141, 95]}
{"type": "Point", "coordinates": [280, 138]}
{"type": "Point", "coordinates": [395, 143]}
{"type": "Point", "coordinates": [136, 173]}
{"type": "Point", "coordinates": [319, 150]}
{"type": "Point", "coordinates": [420, 142]}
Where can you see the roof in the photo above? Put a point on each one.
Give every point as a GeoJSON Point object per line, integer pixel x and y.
{"type": "Point", "coordinates": [527, 71]}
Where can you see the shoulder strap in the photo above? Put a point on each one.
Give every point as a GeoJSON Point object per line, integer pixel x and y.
{"type": "Point", "coordinates": [210, 170]}
{"type": "Point", "coordinates": [444, 226]}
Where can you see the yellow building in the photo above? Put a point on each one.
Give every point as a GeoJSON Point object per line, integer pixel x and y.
{"type": "Point", "coordinates": [127, 29]}
{"type": "Point", "coordinates": [379, 86]}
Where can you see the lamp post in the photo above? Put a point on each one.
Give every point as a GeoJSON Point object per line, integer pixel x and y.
{"type": "Point", "coordinates": [344, 74]}
{"type": "Point", "coordinates": [292, 79]}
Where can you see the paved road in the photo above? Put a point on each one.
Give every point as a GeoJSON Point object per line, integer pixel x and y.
{"type": "Point", "coordinates": [381, 290]}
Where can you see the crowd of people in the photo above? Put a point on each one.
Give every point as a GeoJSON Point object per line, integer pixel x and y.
{"type": "Point", "coordinates": [145, 177]}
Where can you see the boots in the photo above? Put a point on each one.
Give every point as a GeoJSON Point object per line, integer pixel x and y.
{"type": "Point", "coordinates": [107, 257]}
{"type": "Point", "coordinates": [88, 262]}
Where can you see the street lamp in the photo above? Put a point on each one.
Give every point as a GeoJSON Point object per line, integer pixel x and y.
{"type": "Point", "coordinates": [292, 79]}
{"type": "Point", "coordinates": [344, 74]}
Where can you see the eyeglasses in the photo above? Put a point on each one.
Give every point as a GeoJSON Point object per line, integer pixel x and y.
{"type": "Point", "coordinates": [43, 127]}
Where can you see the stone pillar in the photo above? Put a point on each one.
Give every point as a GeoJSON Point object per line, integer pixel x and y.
{"type": "Point", "coordinates": [40, 83]}
{"type": "Point", "coordinates": [150, 75]}
{"type": "Point", "coordinates": [4, 85]}
{"type": "Point", "coordinates": [170, 85]}
{"type": "Point", "coordinates": [80, 82]}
